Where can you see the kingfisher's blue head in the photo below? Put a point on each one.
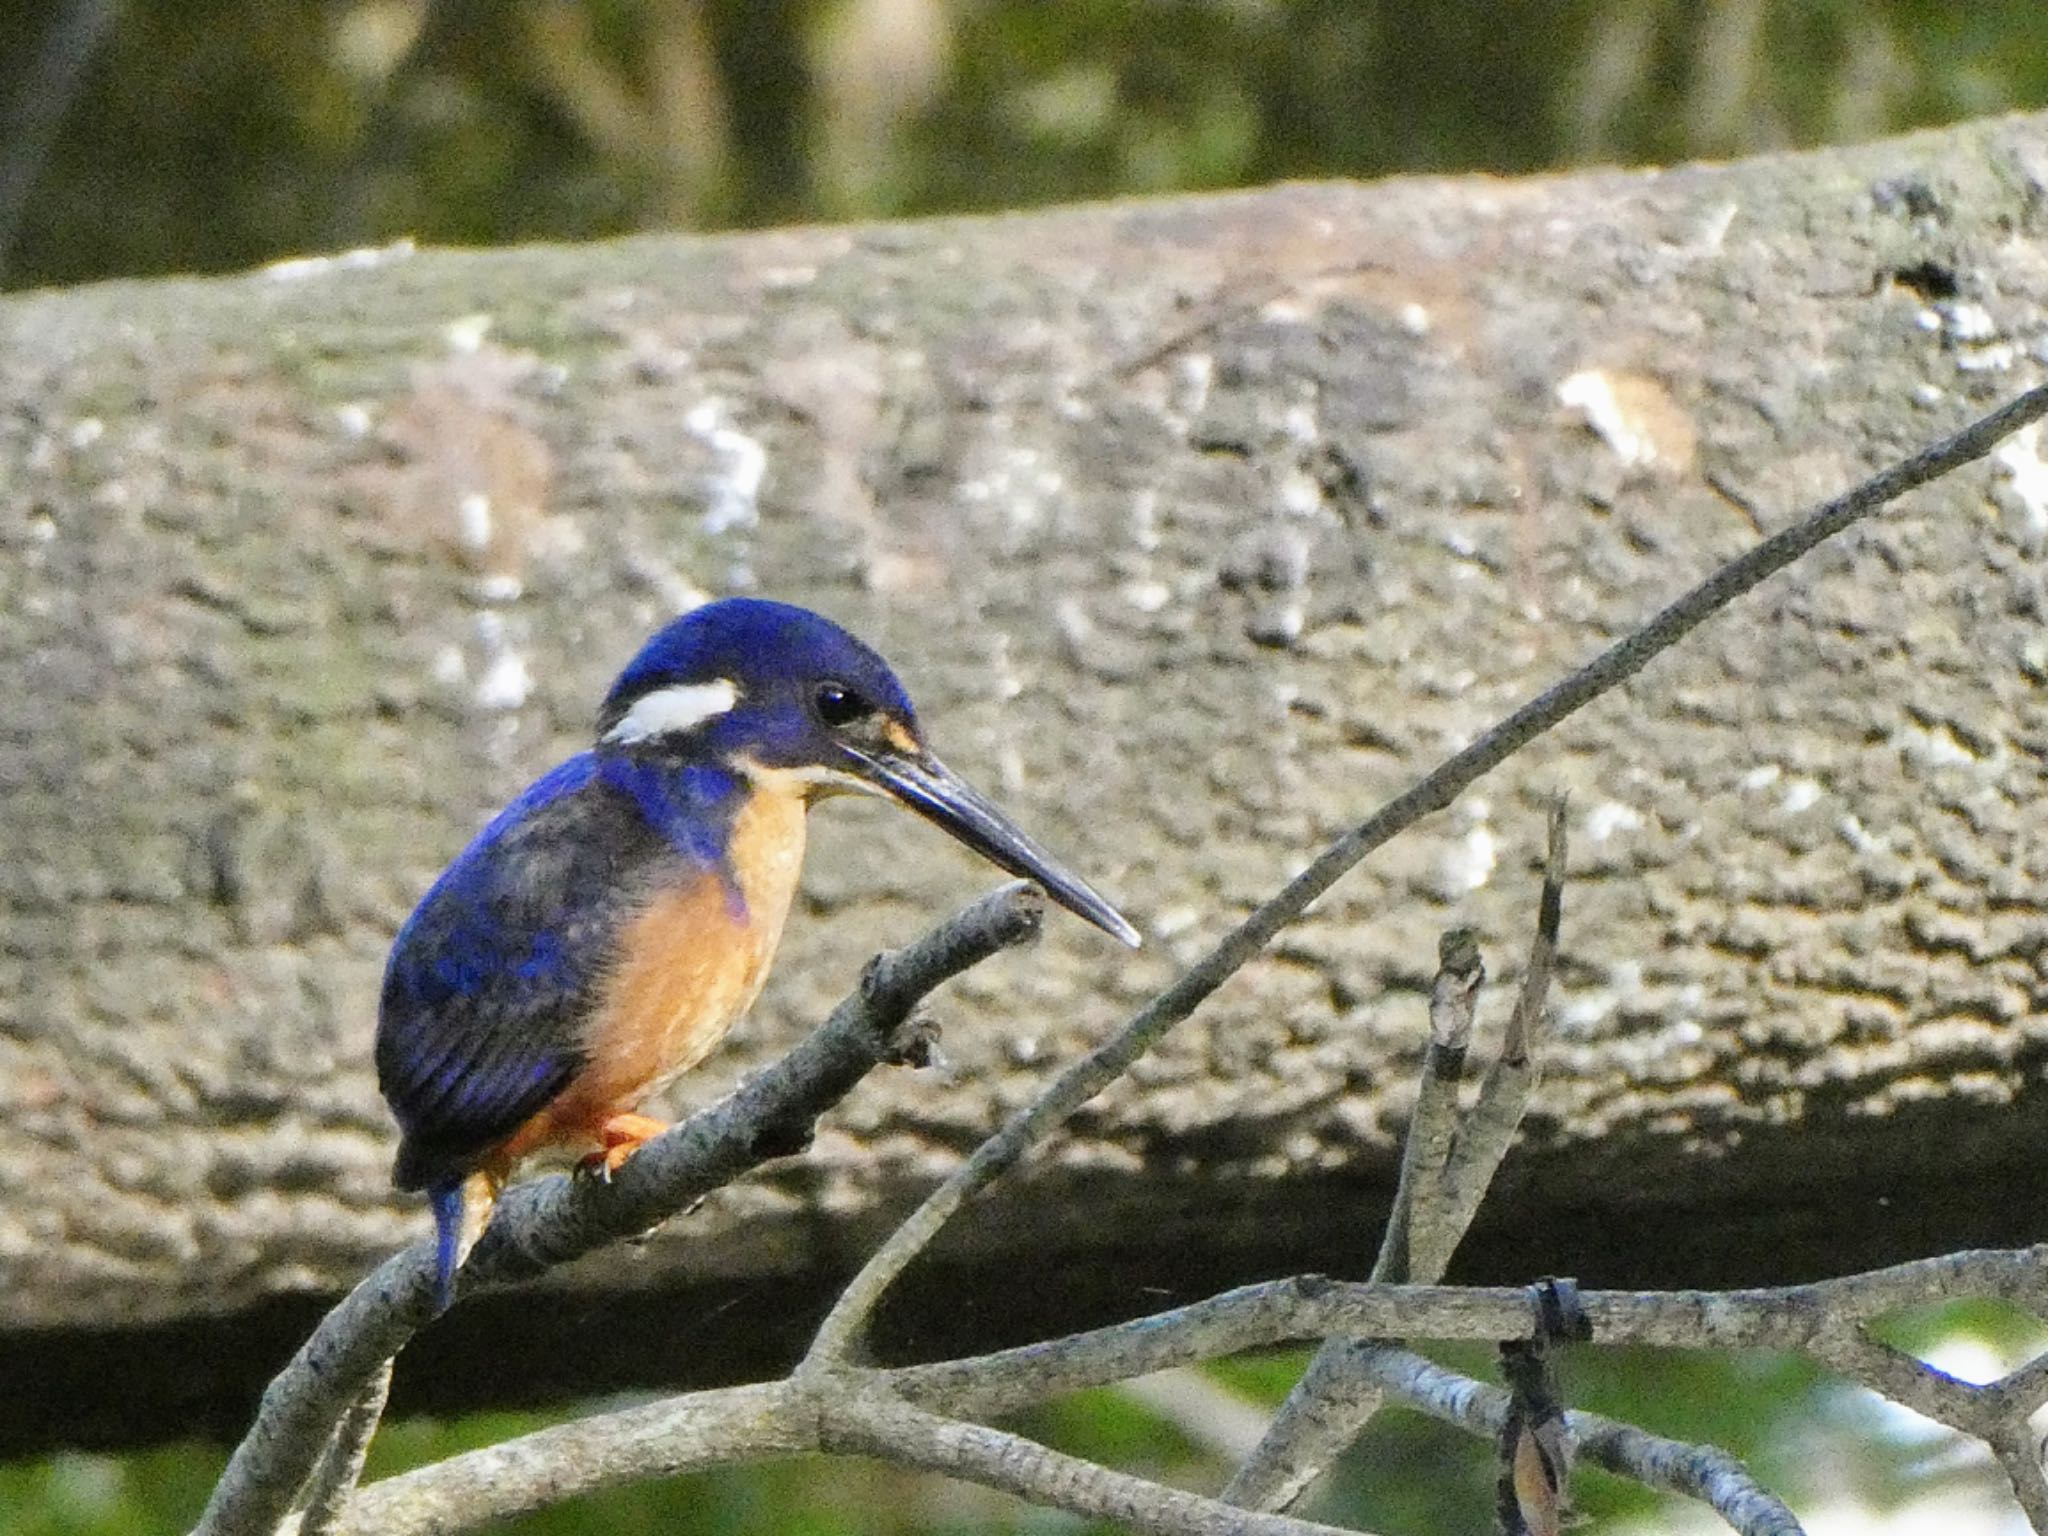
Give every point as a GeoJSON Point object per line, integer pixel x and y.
{"type": "Point", "coordinates": [792, 701]}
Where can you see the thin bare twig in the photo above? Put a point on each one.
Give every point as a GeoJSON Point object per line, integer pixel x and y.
{"type": "Point", "coordinates": [1433, 1128]}
{"type": "Point", "coordinates": [1446, 1168]}
{"type": "Point", "coordinates": [1702, 1472]}
{"type": "Point", "coordinates": [873, 1424]}
{"type": "Point", "coordinates": [848, 1320]}
{"type": "Point", "coordinates": [478, 1489]}
{"type": "Point", "coordinates": [551, 1220]}
{"type": "Point", "coordinates": [341, 1468]}
{"type": "Point", "coordinates": [2019, 1455]}
{"type": "Point", "coordinates": [1488, 1132]}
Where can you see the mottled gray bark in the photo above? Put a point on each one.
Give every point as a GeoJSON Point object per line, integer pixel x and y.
{"type": "Point", "coordinates": [1197, 527]}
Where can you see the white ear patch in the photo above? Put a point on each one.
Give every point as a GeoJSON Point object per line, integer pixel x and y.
{"type": "Point", "coordinates": [670, 711]}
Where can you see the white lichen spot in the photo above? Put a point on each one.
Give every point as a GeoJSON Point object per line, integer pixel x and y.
{"type": "Point", "coordinates": [1713, 230]}
{"type": "Point", "coordinates": [2027, 488]}
{"type": "Point", "coordinates": [1172, 922]}
{"type": "Point", "coordinates": [1300, 494]}
{"type": "Point", "coordinates": [1415, 319]}
{"type": "Point", "coordinates": [294, 268]}
{"type": "Point", "coordinates": [1283, 623]}
{"type": "Point", "coordinates": [506, 683]}
{"type": "Point", "coordinates": [500, 588]}
{"type": "Point", "coordinates": [1145, 520]}
{"type": "Point", "coordinates": [1288, 311]}
{"type": "Point", "coordinates": [86, 431]}
{"type": "Point", "coordinates": [1800, 795]}
{"type": "Point", "coordinates": [1591, 393]}
{"type": "Point", "coordinates": [1936, 747]}
{"type": "Point", "coordinates": [1074, 623]}
{"type": "Point", "coordinates": [353, 419]}
{"type": "Point", "coordinates": [783, 278]}
{"type": "Point", "coordinates": [1300, 423]}
{"type": "Point", "coordinates": [1969, 321]}
{"type": "Point", "coordinates": [1147, 596]}
{"type": "Point", "coordinates": [1688, 1000]}
{"type": "Point", "coordinates": [473, 522]}
{"type": "Point", "coordinates": [465, 336]}
{"type": "Point", "coordinates": [1611, 817]}
{"type": "Point", "coordinates": [1469, 862]}
{"type": "Point", "coordinates": [1968, 330]}
{"type": "Point", "coordinates": [1003, 667]}
{"type": "Point", "coordinates": [448, 667]}
{"type": "Point", "coordinates": [1582, 1012]}
{"type": "Point", "coordinates": [1929, 394]}
{"type": "Point", "coordinates": [1010, 772]}
{"type": "Point", "coordinates": [1859, 837]}
{"type": "Point", "coordinates": [740, 464]}
{"type": "Point", "coordinates": [1193, 379]}
{"type": "Point", "coordinates": [1762, 776]}
{"type": "Point", "coordinates": [1993, 358]}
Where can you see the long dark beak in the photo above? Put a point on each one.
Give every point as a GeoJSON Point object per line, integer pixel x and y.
{"type": "Point", "coordinates": [940, 795]}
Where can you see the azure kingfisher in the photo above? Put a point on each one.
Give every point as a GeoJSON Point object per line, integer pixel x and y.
{"type": "Point", "coordinates": [605, 930]}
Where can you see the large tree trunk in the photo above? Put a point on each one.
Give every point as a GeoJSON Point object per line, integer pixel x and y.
{"type": "Point", "coordinates": [1197, 527]}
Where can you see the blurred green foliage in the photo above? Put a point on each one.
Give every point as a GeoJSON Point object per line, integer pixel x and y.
{"type": "Point", "coordinates": [1803, 1436]}
{"type": "Point", "coordinates": [214, 134]}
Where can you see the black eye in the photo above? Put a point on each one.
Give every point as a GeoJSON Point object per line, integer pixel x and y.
{"type": "Point", "coordinates": [839, 705]}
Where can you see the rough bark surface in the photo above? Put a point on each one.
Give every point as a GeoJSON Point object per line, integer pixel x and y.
{"type": "Point", "coordinates": [1197, 527]}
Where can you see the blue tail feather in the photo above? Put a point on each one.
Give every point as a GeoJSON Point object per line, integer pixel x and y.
{"type": "Point", "coordinates": [446, 1200]}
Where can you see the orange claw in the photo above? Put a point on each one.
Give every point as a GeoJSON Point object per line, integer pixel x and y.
{"type": "Point", "coordinates": [620, 1137]}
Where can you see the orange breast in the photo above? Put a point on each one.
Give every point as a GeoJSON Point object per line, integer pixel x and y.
{"type": "Point", "coordinates": [688, 967]}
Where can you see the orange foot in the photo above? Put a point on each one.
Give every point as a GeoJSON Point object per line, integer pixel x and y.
{"type": "Point", "coordinates": [620, 1137]}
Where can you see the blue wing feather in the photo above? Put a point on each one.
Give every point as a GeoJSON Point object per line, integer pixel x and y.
{"type": "Point", "coordinates": [491, 979]}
